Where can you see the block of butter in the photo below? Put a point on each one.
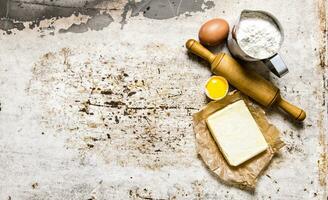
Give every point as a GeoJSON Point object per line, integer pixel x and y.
{"type": "Point", "coordinates": [236, 133]}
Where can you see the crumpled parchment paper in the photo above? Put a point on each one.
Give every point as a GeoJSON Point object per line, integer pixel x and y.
{"type": "Point", "coordinates": [245, 175]}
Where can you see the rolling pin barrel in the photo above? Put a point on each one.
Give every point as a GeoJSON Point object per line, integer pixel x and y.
{"type": "Point", "coordinates": [247, 81]}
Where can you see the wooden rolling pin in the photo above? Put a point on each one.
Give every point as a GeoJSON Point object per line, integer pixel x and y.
{"type": "Point", "coordinates": [247, 81]}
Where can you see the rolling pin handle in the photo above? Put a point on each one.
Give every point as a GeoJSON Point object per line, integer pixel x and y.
{"type": "Point", "coordinates": [198, 49]}
{"type": "Point", "coordinates": [294, 111]}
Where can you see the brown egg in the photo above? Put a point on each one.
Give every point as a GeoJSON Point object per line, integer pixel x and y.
{"type": "Point", "coordinates": [214, 32]}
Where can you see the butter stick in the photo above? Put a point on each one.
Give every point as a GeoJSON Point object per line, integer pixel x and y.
{"type": "Point", "coordinates": [236, 133]}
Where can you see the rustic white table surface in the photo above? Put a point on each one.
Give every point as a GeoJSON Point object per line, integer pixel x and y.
{"type": "Point", "coordinates": [96, 100]}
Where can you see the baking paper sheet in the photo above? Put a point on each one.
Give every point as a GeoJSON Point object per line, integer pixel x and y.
{"type": "Point", "coordinates": [245, 175]}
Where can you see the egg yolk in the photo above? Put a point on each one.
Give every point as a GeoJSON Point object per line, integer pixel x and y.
{"type": "Point", "coordinates": [216, 88]}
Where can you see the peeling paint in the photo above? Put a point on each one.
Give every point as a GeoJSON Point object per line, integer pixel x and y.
{"type": "Point", "coordinates": [96, 23]}
{"type": "Point", "coordinates": [16, 13]}
{"type": "Point", "coordinates": [158, 9]}
{"type": "Point", "coordinates": [20, 14]}
{"type": "Point", "coordinates": [7, 25]}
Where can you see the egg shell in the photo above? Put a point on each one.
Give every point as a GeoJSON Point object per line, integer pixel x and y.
{"type": "Point", "coordinates": [213, 32]}
{"type": "Point", "coordinates": [226, 87]}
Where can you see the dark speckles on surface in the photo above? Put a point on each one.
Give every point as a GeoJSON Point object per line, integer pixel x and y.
{"type": "Point", "coordinates": [104, 102]}
{"type": "Point", "coordinates": [114, 104]}
{"type": "Point", "coordinates": [35, 185]}
{"type": "Point", "coordinates": [117, 120]}
{"type": "Point", "coordinates": [131, 93]}
{"type": "Point", "coordinates": [159, 9]}
{"type": "Point", "coordinates": [106, 92]}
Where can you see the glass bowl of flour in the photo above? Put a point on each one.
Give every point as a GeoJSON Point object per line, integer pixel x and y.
{"type": "Point", "coordinates": [258, 36]}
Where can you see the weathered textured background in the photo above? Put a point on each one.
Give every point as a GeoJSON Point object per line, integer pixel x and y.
{"type": "Point", "coordinates": [96, 99]}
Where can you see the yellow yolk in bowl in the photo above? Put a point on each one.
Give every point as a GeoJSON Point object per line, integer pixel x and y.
{"type": "Point", "coordinates": [216, 87]}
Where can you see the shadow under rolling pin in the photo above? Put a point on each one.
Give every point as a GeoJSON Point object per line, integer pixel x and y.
{"type": "Point", "coordinates": [247, 81]}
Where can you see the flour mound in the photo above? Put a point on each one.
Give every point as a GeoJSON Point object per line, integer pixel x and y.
{"type": "Point", "coordinates": [258, 35]}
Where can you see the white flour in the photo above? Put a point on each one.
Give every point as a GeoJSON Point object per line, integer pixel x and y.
{"type": "Point", "coordinates": [258, 35]}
